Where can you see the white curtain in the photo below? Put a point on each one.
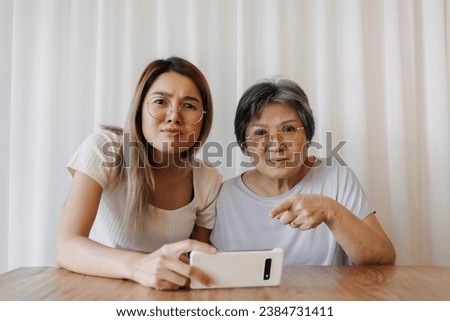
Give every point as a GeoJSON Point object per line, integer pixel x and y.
{"type": "Point", "coordinates": [376, 72]}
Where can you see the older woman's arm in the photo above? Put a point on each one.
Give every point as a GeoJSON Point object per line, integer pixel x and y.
{"type": "Point", "coordinates": [364, 241]}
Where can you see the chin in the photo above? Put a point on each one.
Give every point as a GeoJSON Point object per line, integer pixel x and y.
{"type": "Point", "coordinates": [174, 147]}
{"type": "Point", "coordinates": [279, 173]}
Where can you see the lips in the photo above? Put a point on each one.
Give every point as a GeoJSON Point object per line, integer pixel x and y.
{"type": "Point", "coordinates": [276, 158]}
{"type": "Point", "coordinates": [277, 161]}
{"type": "Point", "coordinates": [172, 131]}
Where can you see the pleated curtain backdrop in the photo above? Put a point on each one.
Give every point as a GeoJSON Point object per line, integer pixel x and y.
{"type": "Point", "coordinates": [376, 73]}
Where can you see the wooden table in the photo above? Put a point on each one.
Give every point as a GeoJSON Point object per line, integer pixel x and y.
{"type": "Point", "coordinates": [298, 283]}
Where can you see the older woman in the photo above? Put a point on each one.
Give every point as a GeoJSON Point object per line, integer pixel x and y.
{"type": "Point", "coordinates": [285, 198]}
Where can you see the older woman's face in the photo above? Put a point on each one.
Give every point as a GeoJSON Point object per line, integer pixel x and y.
{"type": "Point", "coordinates": [277, 142]}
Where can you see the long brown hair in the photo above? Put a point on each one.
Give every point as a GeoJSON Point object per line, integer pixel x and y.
{"type": "Point", "coordinates": [138, 172]}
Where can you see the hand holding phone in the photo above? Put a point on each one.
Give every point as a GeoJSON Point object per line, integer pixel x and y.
{"type": "Point", "coordinates": [239, 269]}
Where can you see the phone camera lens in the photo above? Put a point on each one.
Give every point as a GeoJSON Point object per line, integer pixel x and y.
{"type": "Point", "coordinates": [267, 269]}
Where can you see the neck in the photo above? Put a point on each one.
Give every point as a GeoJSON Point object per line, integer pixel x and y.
{"type": "Point", "coordinates": [171, 172]}
{"type": "Point", "coordinates": [170, 161]}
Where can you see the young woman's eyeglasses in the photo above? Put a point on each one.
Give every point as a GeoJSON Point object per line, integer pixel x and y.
{"type": "Point", "coordinates": [263, 135]}
{"type": "Point", "coordinates": [159, 107]}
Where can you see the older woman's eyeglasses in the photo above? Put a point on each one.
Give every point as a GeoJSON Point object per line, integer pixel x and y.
{"type": "Point", "coordinates": [191, 111]}
{"type": "Point", "coordinates": [263, 135]}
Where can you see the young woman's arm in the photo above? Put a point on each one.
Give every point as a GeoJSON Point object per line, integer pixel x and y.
{"type": "Point", "coordinates": [201, 234]}
{"type": "Point", "coordinates": [161, 269]}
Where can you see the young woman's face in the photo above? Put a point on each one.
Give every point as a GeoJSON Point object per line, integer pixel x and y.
{"type": "Point", "coordinates": [277, 142]}
{"type": "Point", "coordinates": [172, 114]}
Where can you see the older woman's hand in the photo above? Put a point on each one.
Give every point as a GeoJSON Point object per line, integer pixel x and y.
{"type": "Point", "coordinates": [303, 211]}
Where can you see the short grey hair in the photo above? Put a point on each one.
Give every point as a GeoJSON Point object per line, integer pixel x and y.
{"type": "Point", "coordinates": [275, 90]}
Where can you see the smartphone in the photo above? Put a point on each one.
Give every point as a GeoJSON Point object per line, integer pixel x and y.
{"type": "Point", "coordinates": [240, 268]}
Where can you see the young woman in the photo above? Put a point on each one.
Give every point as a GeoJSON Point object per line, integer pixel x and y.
{"type": "Point", "coordinates": [315, 209]}
{"type": "Point", "coordinates": [139, 198]}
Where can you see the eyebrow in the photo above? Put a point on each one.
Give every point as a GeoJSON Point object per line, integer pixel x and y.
{"type": "Point", "coordinates": [166, 94]}
{"type": "Point", "coordinates": [285, 122]}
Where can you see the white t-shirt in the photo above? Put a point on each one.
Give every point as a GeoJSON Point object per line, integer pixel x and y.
{"type": "Point", "coordinates": [164, 226]}
{"type": "Point", "coordinates": [243, 222]}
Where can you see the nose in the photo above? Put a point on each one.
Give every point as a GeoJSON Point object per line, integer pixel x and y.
{"type": "Point", "coordinates": [174, 115]}
{"type": "Point", "coordinates": [275, 138]}
{"type": "Point", "coordinates": [276, 142]}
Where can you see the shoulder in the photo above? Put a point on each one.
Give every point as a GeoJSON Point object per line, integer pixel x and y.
{"type": "Point", "coordinates": [330, 168]}
{"type": "Point", "coordinates": [207, 181]}
{"type": "Point", "coordinates": [97, 143]}
{"type": "Point", "coordinates": [102, 137]}
{"type": "Point", "coordinates": [97, 156]}
{"type": "Point", "coordinates": [344, 185]}
{"type": "Point", "coordinates": [232, 188]}
{"type": "Point", "coordinates": [206, 170]}
{"type": "Point", "coordinates": [231, 182]}
{"type": "Point", "coordinates": [206, 175]}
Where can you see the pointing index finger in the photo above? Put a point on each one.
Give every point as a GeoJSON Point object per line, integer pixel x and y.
{"type": "Point", "coordinates": [278, 210]}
